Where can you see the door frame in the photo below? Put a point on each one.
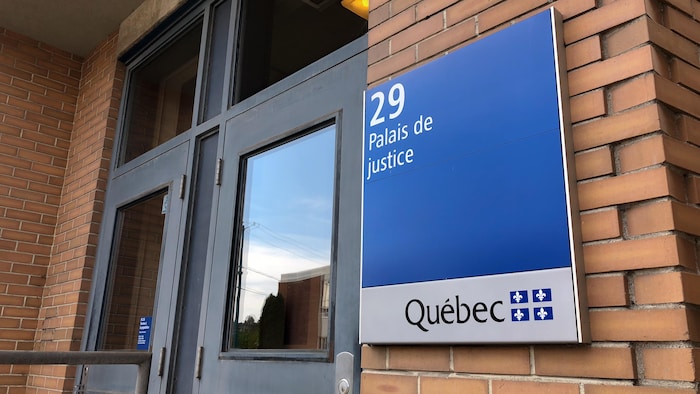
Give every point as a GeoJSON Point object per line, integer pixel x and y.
{"type": "Point", "coordinates": [335, 92]}
{"type": "Point", "coordinates": [164, 171]}
{"type": "Point", "coordinates": [131, 181]}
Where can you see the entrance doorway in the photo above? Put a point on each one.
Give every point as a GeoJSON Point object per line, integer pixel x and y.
{"type": "Point", "coordinates": [230, 240]}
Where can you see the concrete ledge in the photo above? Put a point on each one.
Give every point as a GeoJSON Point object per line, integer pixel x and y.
{"type": "Point", "coordinates": [143, 20]}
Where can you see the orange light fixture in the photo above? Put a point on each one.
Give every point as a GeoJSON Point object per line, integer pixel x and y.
{"type": "Point", "coordinates": [360, 7]}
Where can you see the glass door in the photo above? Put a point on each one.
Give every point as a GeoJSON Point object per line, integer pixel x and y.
{"type": "Point", "coordinates": [151, 287]}
{"type": "Point", "coordinates": [134, 312]}
{"type": "Point", "coordinates": [243, 122]}
{"type": "Point", "coordinates": [283, 286]}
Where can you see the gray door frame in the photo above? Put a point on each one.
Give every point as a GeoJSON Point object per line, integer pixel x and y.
{"type": "Point", "coordinates": [331, 88]}
{"type": "Point", "coordinates": [164, 171]}
{"type": "Point", "coordinates": [335, 93]}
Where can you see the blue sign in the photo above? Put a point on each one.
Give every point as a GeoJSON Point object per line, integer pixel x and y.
{"type": "Point", "coordinates": [465, 177]}
{"type": "Point", "coordinates": [143, 341]}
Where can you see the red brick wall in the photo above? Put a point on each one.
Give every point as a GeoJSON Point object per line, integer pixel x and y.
{"type": "Point", "coordinates": [65, 295]}
{"type": "Point", "coordinates": [52, 179]}
{"type": "Point", "coordinates": [38, 92]}
{"type": "Point", "coordinates": [634, 81]}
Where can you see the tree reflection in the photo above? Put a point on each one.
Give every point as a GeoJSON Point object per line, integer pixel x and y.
{"type": "Point", "coordinates": [248, 335]}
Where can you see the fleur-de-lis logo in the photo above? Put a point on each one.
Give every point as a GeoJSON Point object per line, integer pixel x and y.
{"type": "Point", "coordinates": [518, 315]}
{"type": "Point", "coordinates": [542, 314]}
{"type": "Point", "coordinates": [541, 295]}
{"type": "Point", "coordinates": [517, 297]}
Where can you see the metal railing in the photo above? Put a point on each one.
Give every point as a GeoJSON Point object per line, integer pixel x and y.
{"type": "Point", "coordinates": [140, 359]}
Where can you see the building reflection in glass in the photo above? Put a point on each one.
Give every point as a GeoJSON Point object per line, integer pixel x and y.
{"type": "Point", "coordinates": [283, 285]}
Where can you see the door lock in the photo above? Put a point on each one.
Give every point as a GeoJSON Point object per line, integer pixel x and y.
{"type": "Point", "coordinates": [344, 372]}
{"type": "Point", "coordinates": [343, 386]}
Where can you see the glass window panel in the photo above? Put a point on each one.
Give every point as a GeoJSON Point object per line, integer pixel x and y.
{"type": "Point", "coordinates": [283, 287]}
{"type": "Point", "coordinates": [161, 96]}
{"type": "Point", "coordinates": [134, 272]}
{"type": "Point", "coordinates": [278, 38]}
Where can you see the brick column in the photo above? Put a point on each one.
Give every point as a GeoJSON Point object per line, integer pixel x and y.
{"type": "Point", "coordinates": [634, 82]}
{"type": "Point", "coordinates": [38, 92]}
{"type": "Point", "coordinates": [66, 292]}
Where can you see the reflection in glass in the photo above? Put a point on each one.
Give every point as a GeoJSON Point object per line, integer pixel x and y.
{"type": "Point", "coordinates": [161, 96]}
{"type": "Point", "coordinates": [278, 38]}
{"type": "Point", "coordinates": [134, 272]}
{"type": "Point", "coordinates": [283, 285]}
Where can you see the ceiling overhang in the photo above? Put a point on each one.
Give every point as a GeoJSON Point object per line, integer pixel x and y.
{"type": "Point", "coordinates": [75, 26]}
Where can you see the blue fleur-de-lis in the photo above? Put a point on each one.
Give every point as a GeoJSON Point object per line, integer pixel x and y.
{"type": "Point", "coordinates": [518, 297]}
{"type": "Point", "coordinates": [542, 295]}
{"type": "Point", "coordinates": [544, 313]}
{"type": "Point", "coordinates": [520, 314]}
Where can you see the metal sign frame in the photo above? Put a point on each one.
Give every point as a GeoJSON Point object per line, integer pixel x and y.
{"type": "Point", "coordinates": [470, 217]}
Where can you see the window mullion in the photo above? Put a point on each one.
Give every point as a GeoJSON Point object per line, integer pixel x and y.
{"type": "Point", "coordinates": [201, 68]}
